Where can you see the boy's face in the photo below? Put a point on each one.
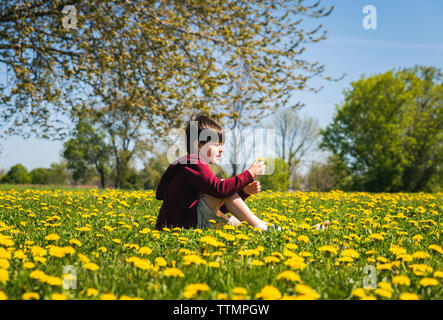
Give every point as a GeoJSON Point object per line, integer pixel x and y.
{"type": "Point", "coordinates": [211, 152]}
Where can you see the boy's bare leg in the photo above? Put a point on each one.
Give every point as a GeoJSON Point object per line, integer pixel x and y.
{"type": "Point", "coordinates": [235, 205]}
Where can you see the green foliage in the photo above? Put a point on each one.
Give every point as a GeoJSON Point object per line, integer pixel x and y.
{"type": "Point", "coordinates": [153, 170]}
{"type": "Point", "coordinates": [320, 178]}
{"type": "Point", "coordinates": [332, 175]}
{"type": "Point", "coordinates": [133, 180]}
{"type": "Point", "coordinates": [58, 174]}
{"type": "Point", "coordinates": [388, 134]}
{"type": "Point", "coordinates": [17, 174]}
{"type": "Point", "coordinates": [278, 180]}
{"type": "Point", "coordinates": [157, 58]}
{"type": "Point", "coordinates": [86, 153]}
{"type": "Point", "coordinates": [40, 176]}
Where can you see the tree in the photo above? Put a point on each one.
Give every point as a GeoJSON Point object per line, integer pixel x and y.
{"type": "Point", "coordinates": [389, 130]}
{"type": "Point", "coordinates": [154, 168]}
{"type": "Point", "coordinates": [40, 176]}
{"type": "Point", "coordinates": [296, 137]}
{"type": "Point", "coordinates": [319, 178]}
{"type": "Point", "coordinates": [17, 174]}
{"type": "Point", "coordinates": [58, 173]}
{"type": "Point", "coordinates": [87, 153]}
{"type": "Point", "coordinates": [327, 176]}
{"type": "Point", "coordinates": [175, 55]}
{"type": "Point", "coordinates": [278, 180]}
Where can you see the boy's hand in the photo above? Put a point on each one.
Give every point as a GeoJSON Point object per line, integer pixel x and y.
{"type": "Point", "coordinates": [253, 187]}
{"type": "Point", "coordinates": [257, 168]}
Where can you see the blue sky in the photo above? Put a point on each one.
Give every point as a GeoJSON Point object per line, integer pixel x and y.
{"type": "Point", "coordinates": [409, 32]}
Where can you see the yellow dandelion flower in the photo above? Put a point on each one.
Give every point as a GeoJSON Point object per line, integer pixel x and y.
{"type": "Point", "coordinates": [271, 259]}
{"type": "Point", "coordinates": [286, 297]}
{"type": "Point", "coordinates": [31, 295]}
{"type": "Point", "coordinates": [124, 297]}
{"type": "Point", "coordinates": [289, 276]}
{"type": "Point", "coordinates": [193, 259]}
{"type": "Point", "coordinates": [383, 293]}
{"type": "Point", "coordinates": [222, 296]}
{"type": "Point", "coordinates": [191, 290]}
{"type": "Point", "coordinates": [291, 246]}
{"type": "Point", "coordinates": [6, 240]}
{"type": "Point", "coordinates": [269, 293]}
{"type": "Point", "coordinates": [83, 258]}
{"type": "Point", "coordinates": [5, 254]}
{"type": "Point", "coordinates": [421, 269]}
{"type": "Point", "coordinates": [161, 262]}
{"type": "Point", "coordinates": [59, 296]}
{"type": "Point", "coordinates": [303, 238]}
{"type": "Point", "coordinates": [409, 296]}
{"type": "Point", "coordinates": [143, 264]}
{"type": "Point", "coordinates": [76, 242]}
{"type": "Point", "coordinates": [4, 275]}
{"type": "Point", "coordinates": [429, 282]}
{"type": "Point", "coordinates": [377, 236]}
{"type": "Point", "coordinates": [370, 297]}
{"type": "Point", "coordinates": [345, 259]}
{"type": "Point", "coordinates": [436, 248]}
{"type": "Point", "coordinates": [397, 250]}
{"type": "Point", "coordinates": [307, 292]}
{"type": "Point", "coordinates": [40, 259]}
{"type": "Point", "coordinates": [359, 292]}
{"type": "Point", "coordinates": [19, 254]}
{"type": "Point", "coordinates": [52, 237]}
{"type": "Point", "coordinates": [103, 249]}
{"type": "Point", "coordinates": [328, 248]}
{"type": "Point", "coordinates": [91, 292]}
{"type": "Point", "coordinates": [38, 251]}
{"type": "Point", "coordinates": [145, 231]}
{"type": "Point", "coordinates": [91, 266]}
{"type": "Point", "coordinates": [401, 280]}
{"type": "Point", "coordinates": [4, 264]}
{"type": "Point", "coordinates": [350, 253]}
{"type": "Point", "coordinates": [214, 264]}
{"type": "Point", "coordinates": [257, 263]}
{"type": "Point", "coordinates": [108, 296]}
{"type": "Point", "coordinates": [239, 291]}
{"type": "Point", "coordinates": [421, 255]}
{"type": "Point", "coordinates": [145, 251]}
{"type": "Point", "coordinates": [173, 272]}
{"type": "Point", "coordinates": [405, 257]}
{"type": "Point", "coordinates": [384, 266]}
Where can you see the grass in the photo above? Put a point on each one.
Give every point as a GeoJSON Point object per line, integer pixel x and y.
{"type": "Point", "coordinates": [107, 236]}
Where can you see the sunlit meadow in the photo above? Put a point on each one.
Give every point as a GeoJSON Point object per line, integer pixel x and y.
{"type": "Point", "coordinates": [100, 244]}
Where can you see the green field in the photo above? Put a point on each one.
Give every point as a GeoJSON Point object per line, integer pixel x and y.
{"type": "Point", "coordinates": [100, 244]}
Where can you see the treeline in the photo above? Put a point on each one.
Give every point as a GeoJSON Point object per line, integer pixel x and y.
{"type": "Point", "coordinates": [57, 174]}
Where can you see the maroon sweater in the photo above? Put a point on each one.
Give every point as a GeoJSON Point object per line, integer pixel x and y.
{"type": "Point", "coordinates": [182, 184]}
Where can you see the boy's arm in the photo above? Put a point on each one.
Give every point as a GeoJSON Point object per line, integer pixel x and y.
{"type": "Point", "coordinates": [202, 178]}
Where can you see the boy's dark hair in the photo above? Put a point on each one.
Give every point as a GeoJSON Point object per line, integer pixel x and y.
{"type": "Point", "coordinates": [203, 123]}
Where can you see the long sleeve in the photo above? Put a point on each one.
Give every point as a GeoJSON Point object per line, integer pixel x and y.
{"type": "Point", "coordinates": [202, 178]}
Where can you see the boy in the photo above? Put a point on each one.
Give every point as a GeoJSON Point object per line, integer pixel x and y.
{"type": "Point", "coordinates": [191, 193]}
